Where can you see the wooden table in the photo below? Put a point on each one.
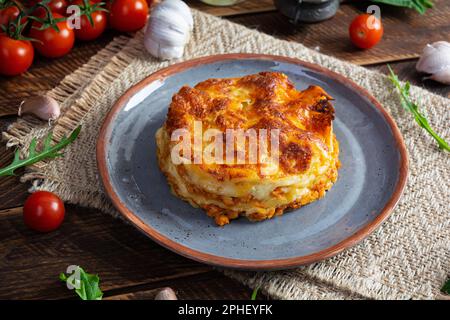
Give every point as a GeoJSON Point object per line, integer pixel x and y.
{"type": "Point", "coordinates": [129, 264]}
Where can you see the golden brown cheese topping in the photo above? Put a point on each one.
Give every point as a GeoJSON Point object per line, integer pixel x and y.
{"type": "Point", "coordinates": [267, 100]}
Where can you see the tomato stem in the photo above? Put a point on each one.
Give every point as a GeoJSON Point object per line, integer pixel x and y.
{"type": "Point", "coordinates": [14, 28]}
{"type": "Point", "coordinates": [87, 9]}
{"type": "Point", "coordinates": [49, 21]}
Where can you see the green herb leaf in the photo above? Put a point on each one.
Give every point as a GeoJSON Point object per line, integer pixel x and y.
{"type": "Point", "coordinates": [86, 285]}
{"type": "Point", "coordinates": [254, 293]}
{"type": "Point", "coordinates": [420, 6]}
{"type": "Point", "coordinates": [47, 152]}
{"type": "Point", "coordinates": [412, 107]}
{"type": "Point", "coordinates": [446, 288]}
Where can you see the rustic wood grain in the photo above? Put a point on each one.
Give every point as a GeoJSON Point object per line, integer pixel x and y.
{"type": "Point", "coordinates": [245, 7]}
{"type": "Point", "coordinates": [405, 32]}
{"type": "Point", "coordinates": [11, 212]}
{"type": "Point", "coordinates": [30, 262]}
{"type": "Point", "coordinates": [12, 192]}
{"type": "Point", "coordinates": [209, 285]}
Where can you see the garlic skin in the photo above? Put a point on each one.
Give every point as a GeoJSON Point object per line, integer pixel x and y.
{"type": "Point", "coordinates": [166, 294]}
{"type": "Point", "coordinates": [435, 60]}
{"type": "Point", "coordinates": [168, 30]}
{"type": "Point", "coordinates": [43, 107]}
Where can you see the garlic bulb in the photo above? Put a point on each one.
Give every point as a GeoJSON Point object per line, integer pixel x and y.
{"type": "Point", "coordinates": [435, 60]}
{"type": "Point", "coordinates": [168, 30]}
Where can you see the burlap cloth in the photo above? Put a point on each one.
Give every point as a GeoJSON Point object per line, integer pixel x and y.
{"type": "Point", "coordinates": [408, 257]}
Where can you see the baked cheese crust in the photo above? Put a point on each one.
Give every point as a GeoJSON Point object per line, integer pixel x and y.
{"type": "Point", "coordinates": [308, 149]}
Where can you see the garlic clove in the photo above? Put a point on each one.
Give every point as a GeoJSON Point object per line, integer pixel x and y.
{"type": "Point", "coordinates": [442, 76]}
{"type": "Point", "coordinates": [440, 45]}
{"type": "Point", "coordinates": [166, 294]}
{"type": "Point", "coordinates": [433, 61]}
{"type": "Point", "coordinates": [434, 58]}
{"type": "Point", "coordinates": [43, 107]}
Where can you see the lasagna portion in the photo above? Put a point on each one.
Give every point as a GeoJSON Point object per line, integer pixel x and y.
{"type": "Point", "coordinates": [298, 162]}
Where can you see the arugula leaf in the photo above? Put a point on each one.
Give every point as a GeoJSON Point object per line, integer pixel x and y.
{"type": "Point", "coordinates": [446, 288]}
{"type": "Point", "coordinates": [47, 152]}
{"type": "Point", "coordinates": [420, 6]}
{"type": "Point", "coordinates": [414, 109]}
{"type": "Point", "coordinates": [86, 285]}
{"type": "Point", "coordinates": [254, 293]}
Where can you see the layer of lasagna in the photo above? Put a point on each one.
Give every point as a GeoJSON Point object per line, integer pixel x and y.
{"type": "Point", "coordinates": [307, 155]}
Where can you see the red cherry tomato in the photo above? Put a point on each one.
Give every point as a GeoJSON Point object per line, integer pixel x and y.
{"type": "Point", "coordinates": [366, 31]}
{"type": "Point", "coordinates": [88, 31]}
{"type": "Point", "coordinates": [58, 6]}
{"type": "Point", "coordinates": [55, 6]}
{"type": "Point", "coordinates": [29, 3]}
{"type": "Point", "coordinates": [51, 43]}
{"type": "Point", "coordinates": [43, 211]}
{"type": "Point", "coordinates": [8, 14]}
{"type": "Point", "coordinates": [16, 56]}
{"type": "Point", "coordinates": [128, 15]}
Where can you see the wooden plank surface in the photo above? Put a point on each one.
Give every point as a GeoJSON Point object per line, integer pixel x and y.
{"type": "Point", "coordinates": [125, 260]}
{"type": "Point", "coordinates": [209, 285]}
{"type": "Point", "coordinates": [405, 32]}
{"type": "Point", "coordinates": [244, 7]}
{"type": "Point", "coordinates": [12, 192]}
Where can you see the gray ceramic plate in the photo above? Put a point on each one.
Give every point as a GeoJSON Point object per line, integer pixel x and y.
{"type": "Point", "coordinates": [371, 179]}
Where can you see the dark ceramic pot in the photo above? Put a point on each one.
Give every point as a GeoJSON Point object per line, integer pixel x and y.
{"type": "Point", "coordinates": [307, 10]}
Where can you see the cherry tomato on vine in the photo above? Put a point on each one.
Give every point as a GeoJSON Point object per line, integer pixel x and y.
{"type": "Point", "coordinates": [55, 6]}
{"type": "Point", "coordinates": [29, 3]}
{"type": "Point", "coordinates": [51, 43]}
{"type": "Point", "coordinates": [43, 211]}
{"type": "Point", "coordinates": [8, 14]}
{"type": "Point", "coordinates": [128, 15]}
{"type": "Point", "coordinates": [58, 6]}
{"type": "Point", "coordinates": [366, 31]}
{"type": "Point", "coordinates": [16, 55]}
{"type": "Point", "coordinates": [88, 31]}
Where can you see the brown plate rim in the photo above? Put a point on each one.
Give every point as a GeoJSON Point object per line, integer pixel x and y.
{"type": "Point", "coordinates": [274, 264]}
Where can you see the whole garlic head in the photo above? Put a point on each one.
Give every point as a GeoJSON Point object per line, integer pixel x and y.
{"type": "Point", "coordinates": [168, 30]}
{"type": "Point", "coordinates": [435, 60]}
